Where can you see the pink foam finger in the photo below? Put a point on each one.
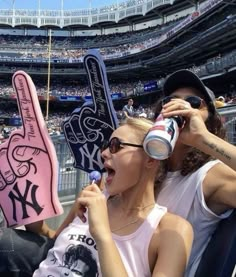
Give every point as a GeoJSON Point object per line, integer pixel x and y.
{"type": "Point", "coordinates": [7, 175]}
{"type": "Point", "coordinates": [20, 167]}
{"type": "Point", "coordinates": [2, 182]}
{"type": "Point", "coordinates": [32, 158]}
{"type": "Point", "coordinates": [31, 198]}
{"type": "Point", "coordinates": [29, 108]}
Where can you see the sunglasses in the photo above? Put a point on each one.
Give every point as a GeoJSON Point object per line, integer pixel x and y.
{"type": "Point", "coordinates": [115, 145]}
{"type": "Point", "coordinates": [194, 101]}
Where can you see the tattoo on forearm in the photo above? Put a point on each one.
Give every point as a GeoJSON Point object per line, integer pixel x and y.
{"type": "Point", "coordinates": [218, 150]}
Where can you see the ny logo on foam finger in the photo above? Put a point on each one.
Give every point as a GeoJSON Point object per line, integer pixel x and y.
{"type": "Point", "coordinates": [88, 126]}
{"type": "Point", "coordinates": [28, 163]}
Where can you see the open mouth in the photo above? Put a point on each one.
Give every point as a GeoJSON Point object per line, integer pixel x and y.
{"type": "Point", "coordinates": [110, 174]}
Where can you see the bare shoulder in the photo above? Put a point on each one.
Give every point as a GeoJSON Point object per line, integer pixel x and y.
{"type": "Point", "coordinates": [176, 223]}
{"type": "Point", "coordinates": [219, 175]}
{"type": "Point", "coordinates": [219, 188]}
{"type": "Point", "coordinates": [175, 237]}
{"type": "Point", "coordinates": [220, 169]}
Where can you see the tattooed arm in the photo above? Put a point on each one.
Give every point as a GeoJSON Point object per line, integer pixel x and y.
{"type": "Point", "coordinates": [219, 149]}
{"type": "Point", "coordinates": [219, 187]}
{"type": "Point", "coordinates": [196, 134]}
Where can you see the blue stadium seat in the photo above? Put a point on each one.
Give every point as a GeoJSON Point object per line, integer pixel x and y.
{"type": "Point", "coordinates": [219, 258]}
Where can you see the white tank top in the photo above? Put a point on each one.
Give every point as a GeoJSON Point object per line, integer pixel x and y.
{"type": "Point", "coordinates": [183, 195]}
{"type": "Point", "coordinates": [75, 250]}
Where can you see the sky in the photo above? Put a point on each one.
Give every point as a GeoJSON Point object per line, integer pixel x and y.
{"type": "Point", "coordinates": [56, 4]}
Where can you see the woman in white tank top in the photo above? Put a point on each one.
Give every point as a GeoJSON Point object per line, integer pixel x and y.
{"type": "Point", "coordinates": [123, 232]}
{"type": "Point", "coordinates": [197, 187]}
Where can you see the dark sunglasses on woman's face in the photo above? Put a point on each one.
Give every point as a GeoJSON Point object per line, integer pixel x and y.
{"type": "Point", "coordinates": [194, 101]}
{"type": "Point", "coordinates": [115, 145]}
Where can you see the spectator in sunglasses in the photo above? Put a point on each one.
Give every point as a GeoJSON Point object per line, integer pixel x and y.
{"type": "Point", "coordinates": [199, 180]}
{"type": "Point", "coordinates": [126, 232]}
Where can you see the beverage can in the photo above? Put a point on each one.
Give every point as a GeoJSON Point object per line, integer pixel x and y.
{"type": "Point", "coordinates": [161, 138]}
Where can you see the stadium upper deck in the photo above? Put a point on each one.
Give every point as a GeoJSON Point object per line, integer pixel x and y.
{"type": "Point", "coordinates": [201, 35]}
{"type": "Point", "coordinates": [131, 10]}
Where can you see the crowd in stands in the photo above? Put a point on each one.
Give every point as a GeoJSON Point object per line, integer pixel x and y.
{"type": "Point", "coordinates": [76, 47]}
{"type": "Point", "coordinates": [72, 88]}
{"type": "Point", "coordinates": [54, 124]}
{"type": "Point", "coordinates": [75, 88]}
{"type": "Point", "coordinates": [56, 119]}
{"type": "Point", "coordinates": [67, 52]}
{"type": "Point", "coordinates": [109, 44]}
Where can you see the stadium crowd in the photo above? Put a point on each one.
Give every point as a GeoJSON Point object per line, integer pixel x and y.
{"type": "Point", "coordinates": [74, 88]}
{"type": "Point", "coordinates": [56, 119]}
{"type": "Point", "coordinates": [76, 47]}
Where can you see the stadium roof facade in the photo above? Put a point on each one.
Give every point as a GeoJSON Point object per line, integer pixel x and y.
{"type": "Point", "coordinates": [126, 12]}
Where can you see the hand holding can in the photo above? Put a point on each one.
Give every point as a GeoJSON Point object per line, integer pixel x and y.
{"type": "Point", "coordinates": [161, 138]}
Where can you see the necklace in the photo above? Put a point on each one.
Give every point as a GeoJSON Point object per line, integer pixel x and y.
{"type": "Point", "coordinates": [134, 221]}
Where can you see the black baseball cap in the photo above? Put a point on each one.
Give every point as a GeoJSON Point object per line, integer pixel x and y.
{"type": "Point", "coordinates": [186, 78]}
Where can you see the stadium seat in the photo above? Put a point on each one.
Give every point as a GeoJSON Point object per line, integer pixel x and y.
{"type": "Point", "coordinates": [219, 258]}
